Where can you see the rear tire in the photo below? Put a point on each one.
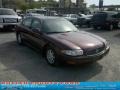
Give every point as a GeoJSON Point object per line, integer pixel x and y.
{"type": "Point", "coordinates": [19, 39]}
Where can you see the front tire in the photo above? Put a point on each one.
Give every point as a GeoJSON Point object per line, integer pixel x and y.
{"type": "Point", "coordinates": [51, 57]}
{"type": "Point", "coordinates": [19, 39]}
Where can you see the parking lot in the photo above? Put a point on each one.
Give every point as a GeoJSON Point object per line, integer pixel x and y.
{"type": "Point", "coordinates": [21, 63]}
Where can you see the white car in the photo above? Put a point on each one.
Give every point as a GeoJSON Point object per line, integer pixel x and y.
{"type": "Point", "coordinates": [32, 14]}
{"type": "Point", "coordinates": [71, 17]}
{"type": "Point", "coordinates": [8, 18]}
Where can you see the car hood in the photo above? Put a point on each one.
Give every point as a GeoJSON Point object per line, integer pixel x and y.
{"type": "Point", "coordinates": [77, 40]}
{"type": "Point", "coordinates": [9, 16]}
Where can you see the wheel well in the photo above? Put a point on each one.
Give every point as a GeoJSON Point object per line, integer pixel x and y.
{"type": "Point", "coordinates": [17, 33]}
{"type": "Point", "coordinates": [44, 49]}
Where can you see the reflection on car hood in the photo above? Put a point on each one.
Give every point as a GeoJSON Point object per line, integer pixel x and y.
{"type": "Point", "coordinates": [78, 39]}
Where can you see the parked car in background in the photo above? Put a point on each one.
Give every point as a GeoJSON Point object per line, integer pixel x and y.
{"type": "Point", "coordinates": [42, 12]}
{"type": "Point", "coordinates": [71, 17]}
{"type": "Point", "coordinates": [85, 20]}
{"type": "Point", "coordinates": [8, 18]}
{"type": "Point", "coordinates": [81, 15]}
{"type": "Point", "coordinates": [106, 19]}
{"type": "Point", "coordinates": [59, 40]}
{"type": "Point", "coordinates": [31, 15]}
{"type": "Point", "coordinates": [20, 13]}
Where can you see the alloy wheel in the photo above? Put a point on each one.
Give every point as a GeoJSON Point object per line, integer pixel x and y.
{"type": "Point", "coordinates": [50, 55]}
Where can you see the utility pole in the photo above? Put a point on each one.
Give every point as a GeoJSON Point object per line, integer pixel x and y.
{"type": "Point", "coordinates": [100, 5]}
{"type": "Point", "coordinates": [1, 3]}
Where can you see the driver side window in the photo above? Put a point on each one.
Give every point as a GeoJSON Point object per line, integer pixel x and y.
{"type": "Point", "coordinates": [36, 24]}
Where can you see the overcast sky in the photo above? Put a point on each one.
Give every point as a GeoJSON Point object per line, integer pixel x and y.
{"type": "Point", "coordinates": [106, 2]}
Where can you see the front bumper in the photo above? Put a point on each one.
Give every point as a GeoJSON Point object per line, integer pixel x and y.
{"type": "Point", "coordinates": [10, 25]}
{"type": "Point", "coordinates": [85, 59]}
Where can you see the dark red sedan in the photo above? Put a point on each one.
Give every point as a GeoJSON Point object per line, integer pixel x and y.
{"type": "Point", "coordinates": [59, 40]}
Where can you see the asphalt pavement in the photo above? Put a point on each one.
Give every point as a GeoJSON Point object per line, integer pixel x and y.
{"type": "Point", "coordinates": [21, 63]}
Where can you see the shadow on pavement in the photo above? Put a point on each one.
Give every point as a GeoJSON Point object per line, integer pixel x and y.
{"type": "Point", "coordinates": [34, 68]}
{"type": "Point", "coordinates": [117, 35]}
{"type": "Point", "coordinates": [6, 31]}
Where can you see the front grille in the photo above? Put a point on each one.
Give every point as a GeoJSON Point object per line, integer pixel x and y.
{"type": "Point", "coordinates": [95, 51]}
{"type": "Point", "coordinates": [10, 20]}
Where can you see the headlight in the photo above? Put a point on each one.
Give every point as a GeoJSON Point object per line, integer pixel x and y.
{"type": "Point", "coordinates": [19, 19]}
{"type": "Point", "coordinates": [1, 20]}
{"type": "Point", "coordinates": [73, 52]}
{"type": "Point", "coordinates": [106, 44]}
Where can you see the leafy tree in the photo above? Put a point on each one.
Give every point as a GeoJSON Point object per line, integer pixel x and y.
{"type": "Point", "coordinates": [29, 4]}
{"type": "Point", "coordinates": [92, 6]}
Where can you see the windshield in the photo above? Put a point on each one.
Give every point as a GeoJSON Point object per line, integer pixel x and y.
{"type": "Point", "coordinates": [58, 26]}
{"type": "Point", "coordinates": [7, 12]}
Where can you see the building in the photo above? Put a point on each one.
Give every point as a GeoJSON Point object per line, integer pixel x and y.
{"type": "Point", "coordinates": [80, 4]}
{"type": "Point", "coordinates": [107, 7]}
{"type": "Point", "coordinates": [61, 3]}
{"type": "Point", "coordinates": [67, 6]}
{"type": "Point", "coordinates": [65, 3]}
{"type": "Point", "coordinates": [0, 3]}
{"type": "Point", "coordinates": [68, 3]}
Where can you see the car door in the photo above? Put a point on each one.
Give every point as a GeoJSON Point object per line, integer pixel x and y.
{"type": "Point", "coordinates": [26, 29]}
{"type": "Point", "coordinates": [38, 37]}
